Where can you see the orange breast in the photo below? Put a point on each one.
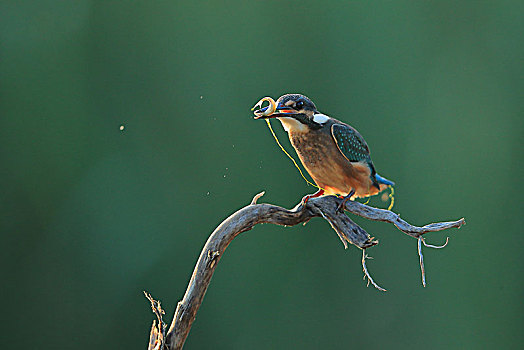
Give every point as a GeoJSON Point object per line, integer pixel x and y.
{"type": "Point", "coordinates": [328, 167]}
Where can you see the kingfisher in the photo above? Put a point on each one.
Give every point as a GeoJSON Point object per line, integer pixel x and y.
{"type": "Point", "coordinates": [334, 153]}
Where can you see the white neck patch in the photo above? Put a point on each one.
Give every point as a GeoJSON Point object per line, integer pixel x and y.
{"type": "Point", "coordinates": [320, 118]}
{"type": "Point", "coordinates": [292, 125]}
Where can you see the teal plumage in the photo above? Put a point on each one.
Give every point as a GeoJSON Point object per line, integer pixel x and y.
{"type": "Point", "coordinates": [350, 143]}
{"type": "Point", "coordinates": [353, 146]}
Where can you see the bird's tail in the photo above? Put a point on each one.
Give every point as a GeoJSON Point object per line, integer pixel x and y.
{"type": "Point", "coordinates": [383, 181]}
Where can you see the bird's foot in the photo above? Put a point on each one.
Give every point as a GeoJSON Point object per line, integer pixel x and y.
{"type": "Point", "coordinates": [306, 198]}
{"type": "Point", "coordinates": [342, 204]}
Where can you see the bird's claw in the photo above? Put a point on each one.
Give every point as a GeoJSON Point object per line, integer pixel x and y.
{"type": "Point", "coordinates": [304, 201]}
{"type": "Point", "coordinates": [306, 198]}
{"type": "Point", "coordinates": [342, 205]}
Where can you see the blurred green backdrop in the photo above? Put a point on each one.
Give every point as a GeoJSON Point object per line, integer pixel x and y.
{"type": "Point", "coordinates": [92, 215]}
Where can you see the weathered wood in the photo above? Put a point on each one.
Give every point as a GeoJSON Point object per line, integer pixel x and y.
{"type": "Point", "coordinates": [246, 218]}
{"type": "Point", "coordinates": [393, 218]}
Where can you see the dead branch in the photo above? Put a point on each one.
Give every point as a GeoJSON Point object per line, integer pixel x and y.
{"type": "Point", "coordinates": [421, 256]}
{"type": "Point", "coordinates": [158, 331]}
{"type": "Point", "coordinates": [246, 218]}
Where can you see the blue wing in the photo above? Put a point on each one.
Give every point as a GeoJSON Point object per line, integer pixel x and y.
{"type": "Point", "coordinates": [350, 143]}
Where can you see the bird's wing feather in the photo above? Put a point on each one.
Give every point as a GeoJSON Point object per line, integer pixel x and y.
{"type": "Point", "coordinates": [350, 143]}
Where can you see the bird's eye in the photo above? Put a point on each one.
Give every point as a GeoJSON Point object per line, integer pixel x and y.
{"type": "Point", "coordinates": [299, 105]}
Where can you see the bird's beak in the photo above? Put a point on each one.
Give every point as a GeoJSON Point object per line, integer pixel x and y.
{"type": "Point", "coordinates": [280, 111]}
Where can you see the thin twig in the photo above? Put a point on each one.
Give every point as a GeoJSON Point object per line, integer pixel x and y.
{"type": "Point", "coordinates": [435, 246]}
{"type": "Point", "coordinates": [421, 259]}
{"type": "Point", "coordinates": [156, 336]}
{"type": "Point", "coordinates": [257, 197]}
{"type": "Point", "coordinates": [364, 257]}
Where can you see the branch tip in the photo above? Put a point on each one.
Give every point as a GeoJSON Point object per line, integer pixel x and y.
{"type": "Point", "coordinates": [435, 246]}
{"type": "Point", "coordinates": [157, 334]}
{"type": "Point", "coordinates": [257, 197]}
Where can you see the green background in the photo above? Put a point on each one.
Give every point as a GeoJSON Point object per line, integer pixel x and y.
{"type": "Point", "coordinates": [91, 215]}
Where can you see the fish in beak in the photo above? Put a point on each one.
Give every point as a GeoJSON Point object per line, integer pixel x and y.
{"type": "Point", "coordinates": [272, 110]}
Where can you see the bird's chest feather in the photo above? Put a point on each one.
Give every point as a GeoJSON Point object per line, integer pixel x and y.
{"type": "Point", "coordinates": [327, 166]}
{"type": "Point", "coordinates": [312, 147]}
{"type": "Point", "coordinates": [319, 154]}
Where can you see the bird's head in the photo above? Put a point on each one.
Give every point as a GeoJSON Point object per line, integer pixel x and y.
{"type": "Point", "coordinates": [295, 111]}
